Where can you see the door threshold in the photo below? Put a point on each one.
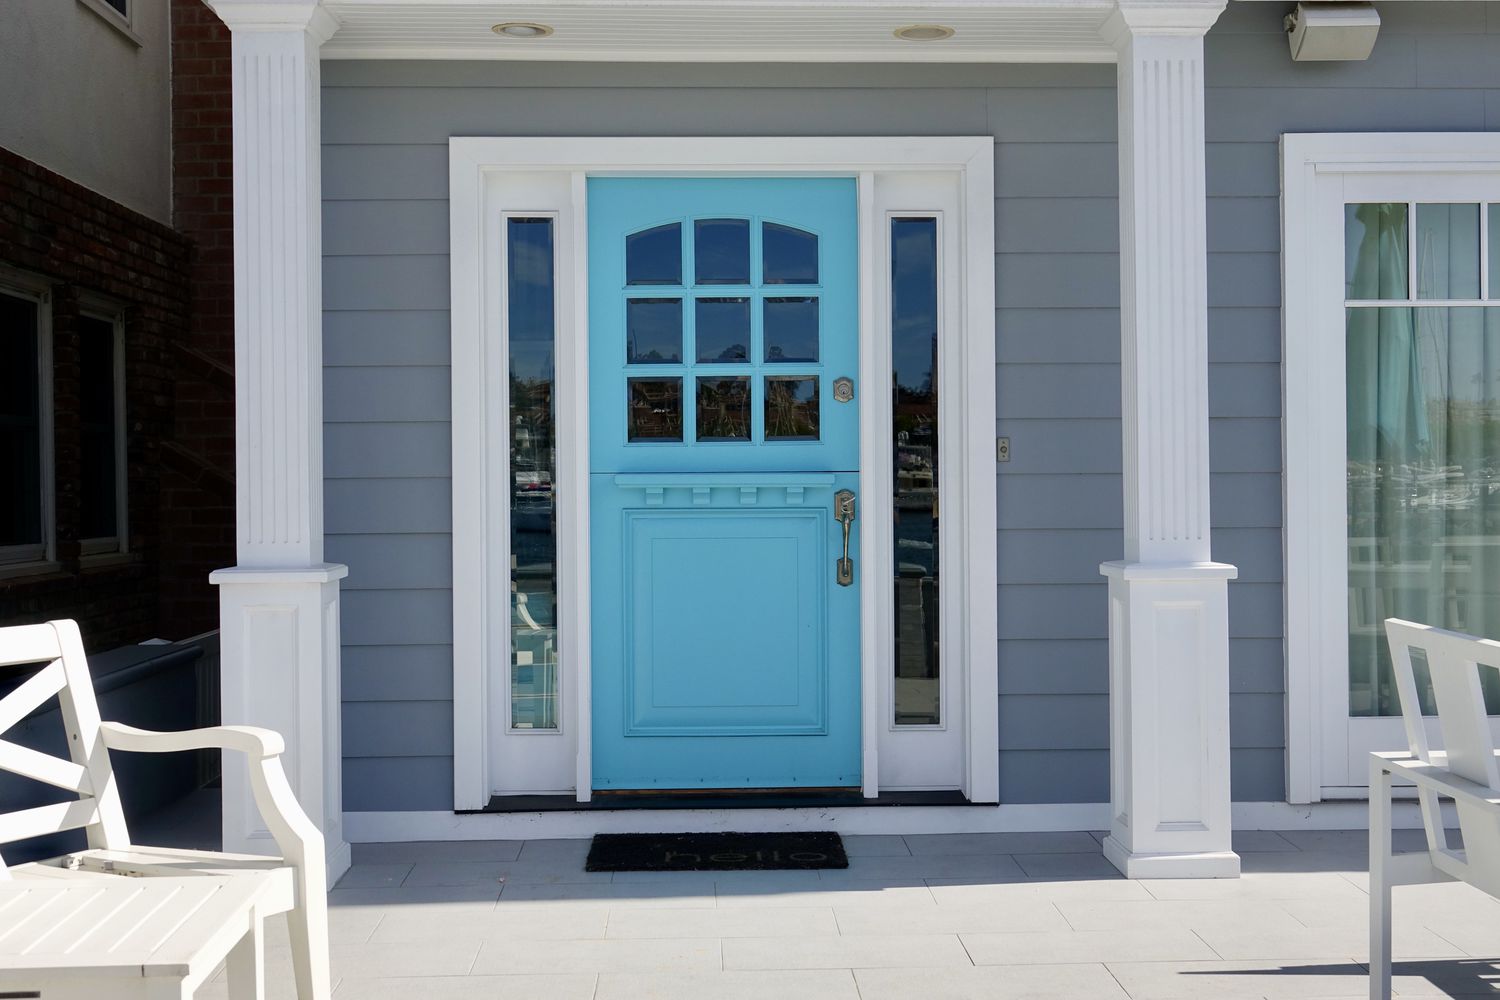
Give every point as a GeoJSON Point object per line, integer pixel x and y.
{"type": "Point", "coordinates": [780, 799]}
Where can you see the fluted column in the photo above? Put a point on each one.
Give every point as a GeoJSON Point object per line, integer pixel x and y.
{"type": "Point", "coordinates": [279, 607]}
{"type": "Point", "coordinates": [1168, 626]}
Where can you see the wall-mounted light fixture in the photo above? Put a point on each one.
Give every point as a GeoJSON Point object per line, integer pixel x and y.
{"type": "Point", "coordinates": [1332, 32]}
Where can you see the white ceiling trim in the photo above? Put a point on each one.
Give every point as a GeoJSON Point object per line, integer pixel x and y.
{"type": "Point", "coordinates": [744, 31]}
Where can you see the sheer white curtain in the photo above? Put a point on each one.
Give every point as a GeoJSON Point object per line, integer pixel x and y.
{"type": "Point", "coordinates": [1423, 397]}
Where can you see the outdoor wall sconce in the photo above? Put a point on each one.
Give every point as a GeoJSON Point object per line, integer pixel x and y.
{"type": "Point", "coordinates": [1332, 32]}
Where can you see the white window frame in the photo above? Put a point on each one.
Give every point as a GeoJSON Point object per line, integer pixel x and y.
{"type": "Point", "coordinates": [491, 178]}
{"type": "Point", "coordinates": [97, 307]}
{"type": "Point", "coordinates": [123, 23]}
{"type": "Point", "coordinates": [1320, 172]}
{"type": "Point", "coordinates": [37, 557]}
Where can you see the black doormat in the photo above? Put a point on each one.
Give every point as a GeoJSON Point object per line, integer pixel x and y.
{"type": "Point", "coordinates": [715, 852]}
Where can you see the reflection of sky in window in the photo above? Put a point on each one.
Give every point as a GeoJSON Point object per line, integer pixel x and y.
{"type": "Point", "coordinates": [791, 329]}
{"type": "Point", "coordinates": [654, 256]}
{"type": "Point", "coordinates": [721, 251]}
{"type": "Point", "coordinates": [653, 331]}
{"type": "Point", "coordinates": [530, 312]}
{"type": "Point", "coordinates": [914, 302]}
{"type": "Point", "coordinates": [788, 256]}
{"type": "Point", "coordinates": [723, 329]}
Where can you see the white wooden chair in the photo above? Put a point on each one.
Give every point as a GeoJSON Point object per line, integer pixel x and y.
{"type": "Point", "coordinates": [1465, 771]}
{"type": "Point", "coordinates": [154, 922]}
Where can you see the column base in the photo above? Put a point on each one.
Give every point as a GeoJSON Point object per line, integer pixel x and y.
{"type": "Point", "coordinates": [1211, 864]}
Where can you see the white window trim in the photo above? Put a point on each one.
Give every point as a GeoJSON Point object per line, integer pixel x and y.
{"type": "Point", "coordinates": [98, 307]}
{"type": "Point", "coordinates": [480, 511]}
{"type": "Point", "coordinates": [123, 23]}
{"type": "Point", "coordinates": [19, 560]}
{"type": "Point", "coordinates": [1315, 170]}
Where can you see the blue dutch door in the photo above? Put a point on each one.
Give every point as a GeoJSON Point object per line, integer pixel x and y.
{"type": "Point", "coordinates": [723, 318]}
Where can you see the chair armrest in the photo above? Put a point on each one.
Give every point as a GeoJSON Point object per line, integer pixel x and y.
{"type": "Point", "coordinates": [257, 743]}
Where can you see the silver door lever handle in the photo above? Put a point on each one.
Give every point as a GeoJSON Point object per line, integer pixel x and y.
{"type": "Point", "coordinates": [843, 512]}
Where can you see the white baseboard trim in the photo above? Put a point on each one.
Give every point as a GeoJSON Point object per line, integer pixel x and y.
{"type": "Point", "coordinates": [395, 827]}
{"type": "Point", "coordinates": [338, 860]}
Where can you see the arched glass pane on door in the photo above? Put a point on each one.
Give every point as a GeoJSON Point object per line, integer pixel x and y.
{"type": "Point", "coordinates": [789, 256]}
{"type": "Point", "coordinates": [654, 256]}
{"type": "Point", "coordinates": [721, 251]}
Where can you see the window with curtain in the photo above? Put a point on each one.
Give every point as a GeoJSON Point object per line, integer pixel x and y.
{"type": "Point", "coordinates": [1423, 421]}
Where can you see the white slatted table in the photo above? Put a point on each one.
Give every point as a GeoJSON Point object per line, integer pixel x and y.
{"type": "Point", "coordinates": [124, 938]}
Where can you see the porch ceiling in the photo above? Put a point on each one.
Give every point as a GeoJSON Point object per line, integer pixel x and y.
{"type": "Point", "coordinates": [743, 31]}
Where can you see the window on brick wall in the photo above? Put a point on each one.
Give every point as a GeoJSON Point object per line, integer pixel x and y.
{"type": "Point", "coordinates": [25, 424]}
{"type": "Point", "coordinates": [101, 404]}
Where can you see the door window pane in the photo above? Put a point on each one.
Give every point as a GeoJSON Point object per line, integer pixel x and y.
{"type": "Point", "coordinates": [1375, 261]}
{"type": "Point", "coordinates": [1447, 251]}
{"type": "Point", "coordinates": [653, 331]}
{"type": "Point", "coordinates": [20, 424]}
{"type": "Point", "coordinates": [722, 330]}
{"type": "Point", "coordinates": [655, 409]}
{"type": "Point", "coordinates": [1423, 398]}
{"type": "Point", "coordinates": [654, 256]}
{"type": "Point", "coordinates": [914, 333]}
{"type": "Point", "coordinates": [724, 409]}
{"type": "Point", "coordinates": [788, 256]}
{"type": "Point", "coordinates": [533, 465]}
{"type": "Point", "coordinates": [98, 500]}
{"type": "Point", "coordinates": [791, 408]}
{"type": "Point", "coordinates": [791, 329]}
{"type": "Point", "coordinates": [721, 252]}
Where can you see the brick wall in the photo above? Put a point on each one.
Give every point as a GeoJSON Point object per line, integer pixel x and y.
{"type": "Point", "coordinates": [198, 461]}
{"type": "Point", "coordinates": [82, 242]}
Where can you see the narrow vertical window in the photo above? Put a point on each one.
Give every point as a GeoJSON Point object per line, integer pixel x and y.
{"type": "Point", "coordinates": [21, 521]}
{"type": "Point", "coordinates": [100, 434]}
{"type": "Point", "coordinates": [914, 349]}
{"type": "Point", "coordinates": [533, 521]}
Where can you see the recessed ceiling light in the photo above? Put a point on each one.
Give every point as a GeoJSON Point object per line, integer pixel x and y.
{"type": "Point", "coordinates": [522, 29]}
{"type": "Point", "coordinates": [924, 32]}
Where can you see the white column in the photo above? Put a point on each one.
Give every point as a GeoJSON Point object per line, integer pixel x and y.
{"type": "Point", "coordinates": [1168, 601]}
{"type": "Point", "coordinates": [279, 607]}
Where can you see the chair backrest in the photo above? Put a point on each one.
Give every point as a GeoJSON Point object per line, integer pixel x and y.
{"type": "Point", "coordinates": [87, 773]}
{"type": "Point", "coordinates": [1454, 661]}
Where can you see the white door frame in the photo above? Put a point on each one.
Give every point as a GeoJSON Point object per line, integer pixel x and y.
{"type": "Point", "coordinates": [490, 178]}
{"type": "Point", "coordinates": [1320, 172]}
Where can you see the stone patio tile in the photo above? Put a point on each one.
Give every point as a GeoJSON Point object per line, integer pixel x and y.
{"type": "Point", "coordinates": [501, 873]}
{"type": "Point", "coordinates": [558, 987]}
{"type": "Point", "coordinates": [853, 893]}
{"type": "Point", "coordinates": [1232, 980]}
{"type": "Point", "coordinates": [1067, 866]}
{"type": "Point", "coordinates": [832, 984]}
{"type": "Point", "coordinates": [680, 955]}
{"type": "Point", "coordinates": [1020, 916]}
{"type": "Point", "coordinates": [1002, 843]}
{"type": "Point", "coordinates": [1261, 841]}
{"type": "Point", "coordinates": [972, 892]}
{"type": "Point", "coordinates": [1347, 841]}
{"type": "Point", "coordinates": [1149, 944]}
{"type": "Point", "coordinates": [613, 895]}
{"type": "Point", "coordinates": [556, 850]}
{"type": "Point", "coordinates": [875, 845]}
{"type": "Point", "coordinates": [1303, 861]}
{"type": "Point", "coordinates": [1288, 885]}
{"type": "Point", "coordinates": [375, 876]}
{"type": "Point", "coordinates": [1445, 979]}
{"type": "Point", "coordinates": [1033, 982]}
{"type": "Point", "coordinates": [987, 866]}
{"type": "Point", "coordinates": [573, 923]}
{"type": "Point", "coordinates": [725, 922]}
{"type": "Point", "coordinates": [698, 882]}
{"type": "Point", "coordinates": [346, 925]}
{"type": "Point", "coordinates": [437, 850]}
{"type": "Point", "coordinates": [1253, 941]}
{"type": "Point", "coordinates": [849, 951]}
{"type": "Point", "coordinates": [769, 881]}
{"type": "Point", "coordinates": [1189, 914]}
{"type": "Point", "coordinates": [416, 901]}
{"type": "Point", "coordinates": [374, 961]}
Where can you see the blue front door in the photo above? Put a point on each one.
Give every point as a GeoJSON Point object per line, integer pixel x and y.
{"type": "Point", "coordinates": [723, 344]}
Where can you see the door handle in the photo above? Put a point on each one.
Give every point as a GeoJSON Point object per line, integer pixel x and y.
{"type": "Point", "coordinates": [843, 512]}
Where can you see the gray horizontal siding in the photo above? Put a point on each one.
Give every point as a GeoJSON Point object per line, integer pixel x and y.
{"type": "Point", "coordinates": [386, 347]}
